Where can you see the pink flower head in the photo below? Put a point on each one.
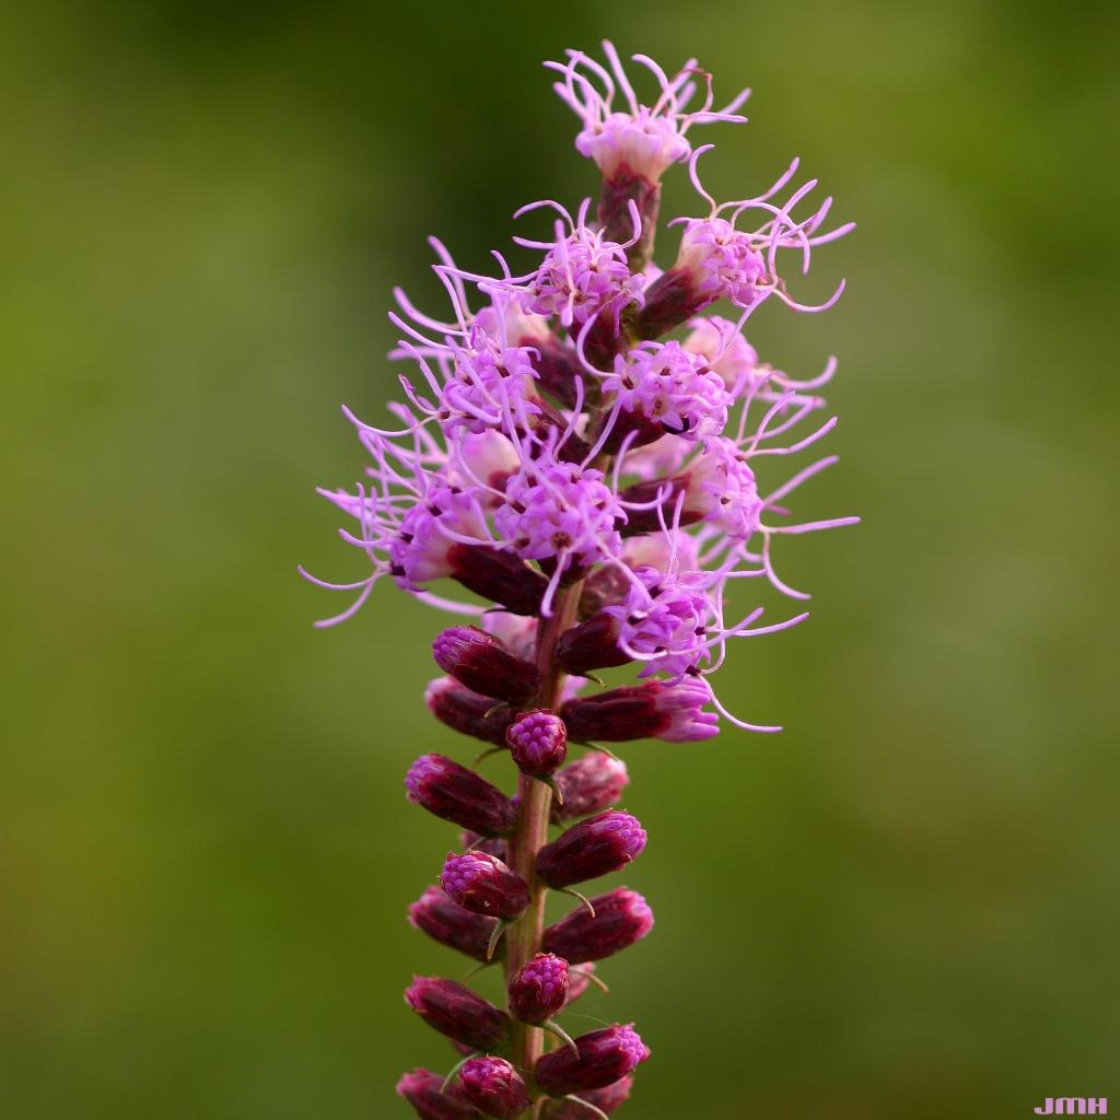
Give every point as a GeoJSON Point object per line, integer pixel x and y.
{"type": "Point", "coordinates": [664, 622]}
{"type": "Point", "coordinates": [582, 274]}
{"type": "Point", "coordinates": [727, 352]}
{"type": "Point", "coordinates": [721, 263]}
{"type": "Point", "coordinates": [671, 387]}
{"type": "Point", "coordinates": [560, 512]}
{"type": "Point", "coordinates": [722, 489]}
{"type": "Point", "coordinates": [421, 550]}
{"type": "Point", "coordinates": [644, 139]}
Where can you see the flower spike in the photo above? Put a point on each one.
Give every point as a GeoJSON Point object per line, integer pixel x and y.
{"type": "Point", "coordinates": [581, 489]}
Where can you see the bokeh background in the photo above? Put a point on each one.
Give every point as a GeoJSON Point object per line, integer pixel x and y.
{"type": "Point", "coordinates": [904, 906]}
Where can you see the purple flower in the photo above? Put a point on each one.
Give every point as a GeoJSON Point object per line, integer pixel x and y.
{"type": "Point", "coordinates": [604, 1057]}
{"type": "Point", "coordinates": [671, 389]}
{"type": "Point", "coordinates": [456, 1011]}
{"type": "Point", "coordinates": [602, 488]}
{"type": "Point", "coordinates": [621, 919]}
{"type": "Point", "coordinates": [483, 664]}
{"type": "Point", "coordinates": [605, 1100]}
{"type": "Point", "coordinates": [538, 742]}
{"type": "Point", "coordinates": [540, 989]}
{"type": "Point", "coordinates": [494, 1086]}
{"type": "Point", "coordinates": [424, 1091]}
{"type": "Point", "coordinates": [645, 140]}
{"type": "Point", "coordinates": [561, 513]}
{"type": "Point", "coordinates": [594, 847]}
{"type": "Point", "coordinates": [447, 922]}
{"type": "Point", "coordinates": [590, 784]}
{"type": "Point", "coordinates": [485, 885]}
{"type": "Point", "coordinates": [654, 710]}
{"type": "Point", "coordinates": [664, 622]}
{"type": "Point", "coordinates": [583, 273]}
{"type": "Point", "coordinates": [457, 794]}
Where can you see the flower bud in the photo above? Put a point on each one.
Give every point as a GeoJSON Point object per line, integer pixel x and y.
{"type": "Point", "coordinates": [580, 980]}
{"type": "Point", "coordinates": [540, 989]}
{"type": "Point", "coordinates": [491, 846]}
{"type": "Point", "coordinates": [591, 645]}
{"type": "Point", "coordinates": [448, 923]}
{"type": "Point", "coordinates": [456, 1011]}
{"type": "Point", "coordinates": [589, 785]}
{"type": "Point", "coordinates": [604, 1057]}
{"type": "Point", "coordinates": [605, 1100]}
{"type": "Point", "coordinates": [467, 712]}
{"type": "Point", "coordinates": [482, 663]}
{"type": "Point", "coordinates": [493, 1085]}
{"type": "Point", "coordinates": [424, 1091]}
{"type": "Point", "coordinates": [485, 885]}
{"type": "Point", "coordinates": [622, 918]}
{"type": "Point", "coordinates": [538, 742]}
{"type": "Point", "coordinates": [654, 710]}
{"type": "Point", "coordinates": [498, 575]}
{"type": "Point", "coordinates": [457, 794]}
{"type": "Point", "coordinates": [594, 847]}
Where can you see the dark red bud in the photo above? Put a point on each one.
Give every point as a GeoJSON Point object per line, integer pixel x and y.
{"type": "Point", "coordinates": [594, 847]}
{"type": "Point", "coordinates": [604, 1057]}
{"type": "Point", "coordinates": [456, 1011]}
{"type": "Point", "coordinates": [540, 989]}
{"type": "Point", "coordinates": [453, 792]}
{"type": "Point", "coordinates": [538, 742]}
{"type": "Point", "coordinates": [424, 1091]}
{"type": "Point", "coordinates": [490, 846]}
{"type": "Point", "coordinates": [467, 712]}
{"type": "Point", "coordinates": [589, 785]}
{"type": "Point", "coordinates": [494, 1086]}
{"type": "Point", "coordinates": [485, 885]}
{"type": "Point", "coordinates": [445, 921]}
{"type": "Point", "coordinates": [498, 575]}
{"type": "Point", "coordinates": [484, 664]}
{"type": "Point", "coordinates": [605, 1100]}
{"type": "Point", "coordinates": [622, 918]}
{"type": "Point", "coordinates": [672, 299]}
{"type": "Point", "coordinates": [591, 645]}
{"type": "Point", "coordinates": [648, 520]}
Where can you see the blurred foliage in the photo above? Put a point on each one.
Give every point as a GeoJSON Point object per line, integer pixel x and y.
{"type": "Point", "coordinates": [903, 906]}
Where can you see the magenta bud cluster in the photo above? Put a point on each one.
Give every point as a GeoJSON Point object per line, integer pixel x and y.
{"type": "Point", "coordinates": [608, 492]}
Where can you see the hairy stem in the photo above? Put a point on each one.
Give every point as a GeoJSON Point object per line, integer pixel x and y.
{"type": "Point", "coordinates": [530, 832]}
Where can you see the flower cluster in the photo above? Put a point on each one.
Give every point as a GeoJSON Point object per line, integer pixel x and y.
{"type": "Point", "coordinates": [595, 482]}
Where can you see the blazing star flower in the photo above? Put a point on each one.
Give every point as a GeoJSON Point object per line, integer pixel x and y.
{"type": "Point", "coordinates": [603, 492]}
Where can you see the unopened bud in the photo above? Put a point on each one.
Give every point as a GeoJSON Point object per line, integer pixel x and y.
{"type": "Point", "coordinates": [445, 921]}
{"type": "Point", "coordinates": [591, 645]}
{"type": "Point", "coordinates": [540, 989]}
{"type": "Point", "coordinates": [589, 785]}
{"type": "Point", "coordinates": [494, 1086]}
{"type": "Point", "coordinates": [538, 742]}
{"type": "Point", "coordinates": [605, 1100]}
{"type": "Point", "coordinates": [482, 663]}
{"type": "Point", "coordinates": [453, 792]}
{"type": "Point", "coordinates": [424, 1091]}
{"type": "Point", "coordinates": [455, 1010]}
{"type": "Point", "coordinates": [621, 918]}
{"type": "Point", "coordinates": [485, 885]}
{"type": "Point", "coordinates": [654, 710]}
{"type": "Point", "coordinates": [604, 1057]}
{"type": "Point", "coordinates": [594, 847]}
{"type": "Point", "coordinates": [498, 575]}
{"type": "Point", "coordinates": [467, 712]}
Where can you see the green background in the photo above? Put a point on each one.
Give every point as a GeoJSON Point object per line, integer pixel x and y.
{"type": "Point", "coordinates": [903, 906]}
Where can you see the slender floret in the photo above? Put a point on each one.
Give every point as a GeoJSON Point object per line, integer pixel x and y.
{"type": "Point", "coordinates": [583, 473]}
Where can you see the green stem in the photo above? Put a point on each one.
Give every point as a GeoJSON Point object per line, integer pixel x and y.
{"type": "Point", "coordinates": [530, 831]}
